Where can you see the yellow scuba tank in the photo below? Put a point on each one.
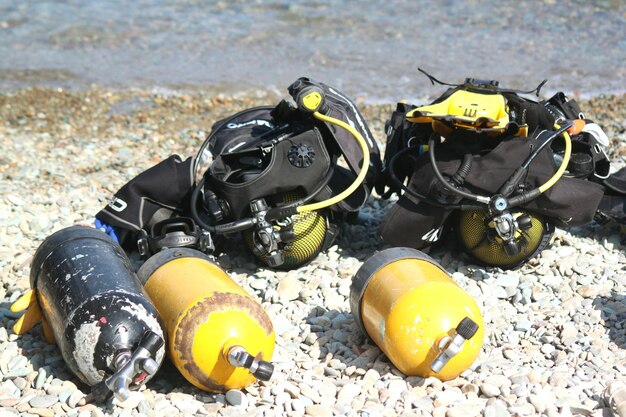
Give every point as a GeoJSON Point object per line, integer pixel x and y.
{"type": "Point", "coordinates": [307, 234]}
{"type": "Point", "coordinates": [477, 234]}
{"type": "Point", "coordinates": [410, 307]}
{"type": "Point", "coordinates": [220, 337]}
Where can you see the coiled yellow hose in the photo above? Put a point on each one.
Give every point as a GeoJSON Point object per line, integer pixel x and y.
{"type": "Point", "coordinates": [359, 179]}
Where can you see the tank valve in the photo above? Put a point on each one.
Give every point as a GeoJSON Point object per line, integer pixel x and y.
{"type": "Point", "coordinates": [129, 369]}
{"type": "Point", "coordinates": [237, 356]}
{"type": "Point", "coordinates": [451, 346]}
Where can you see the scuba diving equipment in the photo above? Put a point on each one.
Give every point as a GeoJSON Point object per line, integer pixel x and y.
{"type": "Point", "coordinates": [220, 338]}
{"type": "Point", "coordinates": [510, 239]}
{"type": "Point", "coordinates": [175, 232]}
{"type": "Point", "coordinates": [483, 164]}
{"type": "Point", "coordinates": [589, 159]}
{"type": "Point", "coordinates": [299, 238]}
{"type": "Point", "coordinates": [156, 194]}
{"type": "Point", "coordinates": [527, 235]}
{"type": "Point", "coordinates": [468, 110]}
{"type": "Point", "coordinates": [613, 204]}
{"type": "Point", "coordinates": [283, 152]}
{"type": "Point", "coordinates": [416, 314]}
{"type": "Point", "coordinates": [257, 158]}
{"type": "Point", "coordinates": [94, 307]}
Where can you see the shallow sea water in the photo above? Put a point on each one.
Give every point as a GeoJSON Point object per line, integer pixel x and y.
{"type": "Point", "coordinates": [370, 49]}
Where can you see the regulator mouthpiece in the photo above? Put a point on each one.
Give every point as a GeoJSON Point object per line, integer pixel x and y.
{"type": "Point", "coordinates": [238, 357]}
{"type": "Point", "coordinates": [450, 346]}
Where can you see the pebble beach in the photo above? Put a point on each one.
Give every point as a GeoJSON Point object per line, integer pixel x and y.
{"type": "Point", "coordinates": [555, 333]}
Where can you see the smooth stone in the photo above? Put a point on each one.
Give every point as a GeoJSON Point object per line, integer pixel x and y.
{"type": "Point", "coordinates": [64, 396]}
{"type": "Point", "coordinates": [523, 325]}
{"type": "Point", "coordinates": [17, 373]}
{"type": "Point", "coordinates": [534, 377]}
{"type": "Point", "coordinates": [143, 407]}
{"type": "Point", "coordinates": [42, 412]}
{"type": "Point", "coordinates": [522, 410]}
{"type": "Point", "coordinates": [464, 410]}
{"type": "Point", "coordinates": [289, 288]}
{"type": "Point", "coordinates": [43, 401]}
{"type": "Point", "coordinates": [585, 411]}
{"type": "Point", "coordinates": [470, 388]}
{"type": "Point", "coordinates": [236, 398]}
{"type": "Point", "coordinates": [9, 402]}
{"type": "Point", "coordinates": [506, 280]}
{"type": "Point", "coordinates": [17, 362]}
{"type": "Point", "coordinates": [397, 386]}
{"type": "Point", "coordinates": [131, 402]}
{"type": "Point", "coordinates": [496, 409]}
{"type": "Point", "coordinates": [568, 331]}
{"type": "Point", "coordinates": [319, 411]}
{"type": "Point", "coordinates": [449, 397]}
{"type": "Point", "coordinates": [258, 284]}
{"type": "Point", "coordinates": [298, 406]}
{"type": "Point", "coordinates": [291, 389]}
{"type": "Point", "coordinates": [511, 354]}
{"type": "Point", "coordinates": [347, 393]}
{"type": "Point", "coordinates": [73, 400]}
{"type": "Point", "coordinates": [8, 389]}
{"type": "Point", "coordinates": [489, 390]}
{"type": "Point", "coordinates": [371, 376]}
{"type": "Point", "coordinates": [519, 390]}
{"type": "Point", "coordinates": [41, 378]}
{"type": "Point", "coordinates": [282, 398]}
{"type": "Point", "coordinates": [498, 380]}
{"type": "Point", "coordinates": [538, 401]}
{"type": "Point", "coordinates": [20, 383]}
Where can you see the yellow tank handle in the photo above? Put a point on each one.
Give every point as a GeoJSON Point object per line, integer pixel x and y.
{"type": "Point", "coordinates": [359, 179]}
{"type": "Point", "coordinates": [559, 173]}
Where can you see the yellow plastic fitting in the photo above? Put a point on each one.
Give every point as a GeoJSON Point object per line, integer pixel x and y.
{"type": "Point", "coordinates": [464, 109]}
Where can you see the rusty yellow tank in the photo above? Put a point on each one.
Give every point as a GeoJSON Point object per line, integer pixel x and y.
{"type": "Point", "coordinates": [411, 308]}
{"type": "Point", "coordinates": [220, 337]}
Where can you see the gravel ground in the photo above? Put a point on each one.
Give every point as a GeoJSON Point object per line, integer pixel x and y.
{"type": "Point", "coordinates": [556, 328]}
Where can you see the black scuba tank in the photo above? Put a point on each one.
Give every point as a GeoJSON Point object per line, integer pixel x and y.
{"type": "Point", "coordinates": [109, 332]}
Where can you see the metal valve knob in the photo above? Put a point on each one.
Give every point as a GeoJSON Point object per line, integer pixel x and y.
{"type": "Point", "coordinates": [451, 346]}
{"type": "Point", "coordinates": [239, 357]}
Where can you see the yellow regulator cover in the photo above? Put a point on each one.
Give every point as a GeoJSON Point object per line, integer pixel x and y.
{"type": "Point", "coordinates": [410, 307]}
{"type": "Point", "coordinates": [206, 313]}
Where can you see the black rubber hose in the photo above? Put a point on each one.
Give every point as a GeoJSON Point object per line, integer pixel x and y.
{"type": "Point", "coordinates": [414, 194]}
{"type": "Point", "coordinates": [287, 210]}
{"type": "Point", "coordinates": [221, 229]}
{"type": "Point", "coordinates": [194, 206]}
{"type": "Point", "coordinates": [511, 184]}
{"type": "Point", "coordinates": [461, 174]}
{"type": "Point", "coordinates": [444, 182]}
{"type": "Point", "coordinates": [545, 143]}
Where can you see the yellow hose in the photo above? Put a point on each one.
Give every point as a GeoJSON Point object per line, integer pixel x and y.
{"type": "Point", "coordinates": [359, 179]}
{"type": "Point", "coordinates": [559, 173]}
